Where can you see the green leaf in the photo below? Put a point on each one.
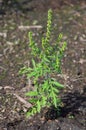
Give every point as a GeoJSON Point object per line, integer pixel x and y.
{"type": "Point", "coordinates": [60, 86]}
{"type": "Point", "coordinates": [54, 99]}
{"type": "Point", "coordinates": [33, 62]}
{"type": "Point", "coordinates": [32, 74]}
{"type": "Point", "coordinates": [59, 37]}
{"type": "Point", "coordinates": [44, 101]}
{"type": "Point", "coordinates": [45, 85]}
{"type": "Point", "coordinates": [34, 110]}
{"type": "Point", "coordinates": [31, 93]}
{"type": "Point", "coordinates": [25, 70]}
{"type": "Point", "coordinates": [55, 90]}
{"type": "Point", "coordinates": [28, 114]}
{"type": "Point", "coordinates": [38, 106]}
{"type": "Point", "coordinates": [58, 101]}
{"type": "Point", "coordinates": [31, 112]}
{"type": "Point", "coordinates": [33, 100]}
{"type": "Point", "coordinates": [46, 59]}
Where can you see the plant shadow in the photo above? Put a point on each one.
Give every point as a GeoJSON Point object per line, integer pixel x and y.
{"type": "Point", "coordinates": [74, 103]}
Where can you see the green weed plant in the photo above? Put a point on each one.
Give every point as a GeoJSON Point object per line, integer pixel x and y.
{"type": "Point", "coordinates": [46, 92]}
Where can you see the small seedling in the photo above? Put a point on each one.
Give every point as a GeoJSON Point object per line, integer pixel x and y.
{"type": "Point", "coordinates": [71, 116]}
{"type": "Point", "coordinates": [46, 62]}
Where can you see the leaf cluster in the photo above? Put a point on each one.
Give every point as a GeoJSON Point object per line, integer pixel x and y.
{"type": "Point", "coordinates": [46, 93]}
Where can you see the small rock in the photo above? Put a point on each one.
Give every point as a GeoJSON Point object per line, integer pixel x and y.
{"type": "Point", "coordinates": [1, 87]}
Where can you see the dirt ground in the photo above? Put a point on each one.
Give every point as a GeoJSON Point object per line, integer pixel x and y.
{"type": "Point", "coordinates": [69, 17]}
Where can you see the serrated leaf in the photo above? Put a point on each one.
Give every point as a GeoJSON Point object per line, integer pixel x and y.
{"type": "Point", "coordinates": [31, 93]}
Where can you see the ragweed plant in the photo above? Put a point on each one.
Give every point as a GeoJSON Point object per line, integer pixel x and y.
{"type": "Point", "coordinates": [46, 88]}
